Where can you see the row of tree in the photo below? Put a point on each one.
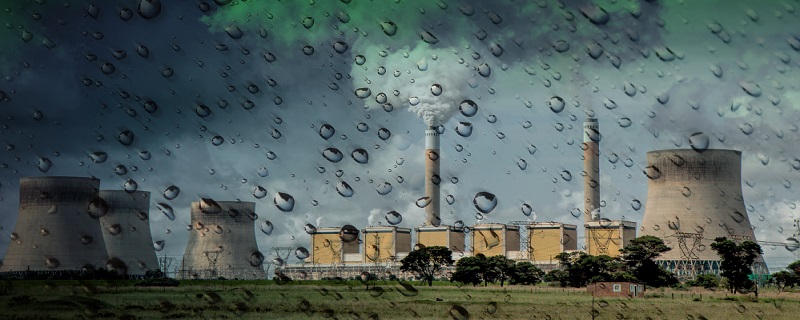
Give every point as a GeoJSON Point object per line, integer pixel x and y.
{"type": "Point", "coordinates": [577, 269]}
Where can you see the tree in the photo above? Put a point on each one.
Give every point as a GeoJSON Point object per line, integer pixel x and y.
{"type": "Point", "coordinates": [499, 268]}
{"type": "Point", "coordinates": [526, 273]}
{"type": "Point", "coordinates": [470, 270]}
{"type": "Point", "coordinates": [784, 279]}
{"type": "Point", "coordinates": [708, 281]}
{"type": "Point", "coordinates": [638, 256]}
{"type": "Point", "coordinates": [582, 268]}
{"type": "Point", "coordinates": [426, 262]}
{"type": "Point", "coordinates": [558, 276]}
{"type": "Point", "coordinates": [735, 261]}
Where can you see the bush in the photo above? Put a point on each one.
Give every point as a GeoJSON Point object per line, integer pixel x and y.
{"type": "Point", "coordinates": [158, 282]}
{"type": "Point", "coordinates": [708, 281]}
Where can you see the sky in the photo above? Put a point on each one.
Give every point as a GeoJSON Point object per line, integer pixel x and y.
{"type": "Point", "coordinates": [229, 97]}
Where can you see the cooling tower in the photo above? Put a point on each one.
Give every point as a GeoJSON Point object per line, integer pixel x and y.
{"type": "Point", "coordinates": [432, 177]}
{"type": "Point", "coordinates": [693, 198]}
{"type": "Point", "coordinates": [591, 166]}
{"type": "Point", "coordinates": [222, 242]}
{"type": "Point", "coordinates": [126, 232]}
{"type": "Point", "coordinates": [58, 226]}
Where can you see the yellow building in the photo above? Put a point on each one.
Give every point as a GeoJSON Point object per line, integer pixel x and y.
{"type": "Point", "coordinates": [442, 235]}
{"type": "Point", "coordinates": [495, 239]}
{"type": "Point", "coordinates": [606, 237]}
{"type": "Point", "coordinates": [328, 247]}
{"type": "Point", "coordinates": [548, 239]}
{"type": "Point", "coordinates": [383, 244]}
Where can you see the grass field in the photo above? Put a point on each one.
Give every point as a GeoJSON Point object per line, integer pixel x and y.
{"type": "Point", "coordinates": [382, 300]}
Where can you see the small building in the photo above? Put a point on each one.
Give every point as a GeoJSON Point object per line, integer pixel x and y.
{"type": "Point", "coordinates": [606, 237]}
{"type": "Point", "coordinates": [493, 239]}
{"type": "Point", "coordinates": [616, 289]}
{"type": "Point", "coordinates": [385, 244]}
{"type": "Point", "coordinates": [445, 236]}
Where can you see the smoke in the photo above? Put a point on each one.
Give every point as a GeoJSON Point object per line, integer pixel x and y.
{"type": "Point", "coordinates": [374, 217]}
{"type": "Point", "coordinates": [429, 82]}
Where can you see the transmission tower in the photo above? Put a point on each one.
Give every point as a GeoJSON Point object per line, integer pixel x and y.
{"type": "Point", "coordinates": [602, 237]}
{"type": "Point", "coordinates": [525, 252]}
{"type": "Point", "coordinates": [688, 267]}
{"type": "Point", "coordinates": [336, 257]}
{"type": "Point", "coordinates": [212, 261]}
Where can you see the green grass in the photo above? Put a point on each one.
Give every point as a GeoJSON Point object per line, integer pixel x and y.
{"type": "Point", "coordinates": [352, 300]}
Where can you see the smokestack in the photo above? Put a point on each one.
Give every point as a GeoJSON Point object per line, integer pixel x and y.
{"type": "Point", "coordinates": [432, 178]}
{"type": "Point", "coordinates": [591, 166]}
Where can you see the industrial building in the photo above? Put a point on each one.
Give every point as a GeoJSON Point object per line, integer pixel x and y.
{"type": "Point", "coordinates": [692, 198]}
{"type": "Point", "coordinates": [547, 239]}
{"type": "Point", "coordinates": [126, 232]}
{"type": "Point", "coordinates": [58, 227]}
{"type": "Point", "coordinates": [445, 236]}
{"type": "Point", "coordinates": [493, 239]}
{"type": "Point", "coordinates": [606, 237]}
{"type": "Point", "coordinates": [327, 248]}
{"type": "Point", "coordinates": [222, 242]}
{"type": "Point", "coordinates": [385, 244]}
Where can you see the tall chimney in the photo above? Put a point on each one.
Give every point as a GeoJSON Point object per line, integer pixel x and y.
{"type": "Point", "coordinates": [432, 178]}
{"type": "Point", "coordinates": [591, 166]}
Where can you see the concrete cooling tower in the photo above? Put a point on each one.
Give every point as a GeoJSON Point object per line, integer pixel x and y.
{"type": "Point", "coordinates": [57, 228]}
{"type": "Point", "coordinates": [432, 177]}
{"type": "Point", "coordinates": [126, 232]}
{"type": "Point", "coordinates": [692, 198]}
{"type": "Point", "coordinates": [222, 242]}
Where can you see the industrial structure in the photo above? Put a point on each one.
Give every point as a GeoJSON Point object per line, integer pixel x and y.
{"type": "Point", "coordinates": [432, 177]}
{"type": "Point", "coordinates": [607, 237]}
{"type": "Point", "coordinates": [385, 244]}
{"type": "Point", "coordinates": [692, 198]}
{"type": "Point", "coordinates": [547, 239]}
{"type": "Point", "coordinates": [591, 168]}
{"type": "Point", "coordinates": [445, 236]}
{"type": "Point", "coordinates": [328, 248]}
{"type": "Point", "coordinates": [57, 228]}
{"type": "Point", "coordinates": [491, 239]}
{"type": "Point", "coordinates": [222, 242]}
{"type": "Point", "coordinates": [126, 232]}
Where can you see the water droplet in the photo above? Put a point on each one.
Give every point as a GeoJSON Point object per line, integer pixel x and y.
{"type": "Point", "coordinates": [344, 189]}
{"type": "Point", "coordinates": [526, 209]}
{"type": "Point", "coordinates": [266, 227]}
{"type": "Point", "coordinates": [428, 37]}
{"type": "Point", "coordinates": [384, 188]}
{"type": "Point", "coordinates": [340, 47]}
{"type": "Point", "coordinates": [159, 245]}
{"type": "Point", "coordinates": [333, 155]}
{"type": "Point", "coordinates": [217, 140]}
{"type": "Point", "coordinates": [636, 204]}
{"type": "Point", "coordinates": [556, 104]}
{"type": "Point", "coordinates": [652, 172]}
{"type": "Point", "coordinates": [97, 208]}
{"type": "Point", "coordinates": [301, 253]}
{"type": "Point", "coordinates": [126, 138]}
{"type": "Point", "coordinates": [130, 186]}
{"type": "Point", "coordinates": [464, 129]}
{"type": "Point", "coordinates": [259, 192]}
{"type": "Point", "coordinates": [450, 199]}
{"type": "Point", "coordinates": [166, 210]}
{"type": "Point", "coordinates": [751, 88]}
{"type": "Point", "coordinates": [393, 217]}
{"type": "Point", "coordinates": [468, 108]}
{"type": "Point", "coordinates": [459, 313]}
{"type": "Point", "coordinates": [308, 50]}
{"type": "Point", "coordinates": [284, 202]}
{"type": "Point", "coordinates": [436, 89]}
{"type": "Point", "coordinates": [566, 175]}
{"type": "Point", "coordinates": [308, 22]}
{"type": "Point", "coordinates": [363, 93]}
{"type": "Point", "coordinates": [389, 28]}
{"type": "Point", "coordinates": [147, 9]}
{"type": "Point", "coordinates": [44, 164]}
{"type": "Point", "coordinates": [234, 32]}
{"type": "Point", "coordinates": [699, 141]}
{"type": "Point", "coordinates": [171, 192]}
{"type": "Point", "coordinates": [484, 201]}
{"type": "Point", "coordinates": [625, 122]}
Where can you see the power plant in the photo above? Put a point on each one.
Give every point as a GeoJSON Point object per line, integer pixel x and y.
{"type": "Point", "coordinates": [328, 247]}
{"type": "Point", "coordinates": [432, 177]}
{"type": "Point", "coordinates": [58, 226]}
{"type": "Point", "coordinates": [386, 244]}
{"type": "Point", "coordinates": [445, 236]}
{"type": "Point", "coordinates": [126, 232]}
{"type": "Point", "coordinates": [222, 242]}
{"type": "Point", "coordinates": [547, 239]}
{"type": "Point", "coordinates": [692, 198]}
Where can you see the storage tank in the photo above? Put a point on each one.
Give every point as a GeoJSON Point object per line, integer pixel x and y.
{"type": "Point", "coordinates": [692, 198]}
{"type": "Point", "coordinates": [222, 242]}
{"type": "Point", "coordinates": [126, 232]}
{"type": "Point", "coordinates": [58, 226]}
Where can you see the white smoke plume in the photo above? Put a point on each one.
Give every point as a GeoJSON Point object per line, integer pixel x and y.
{"type": "Point", "coordinates": [374, 217]}
{"type": "Point", "coordinates": [404, 78]}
